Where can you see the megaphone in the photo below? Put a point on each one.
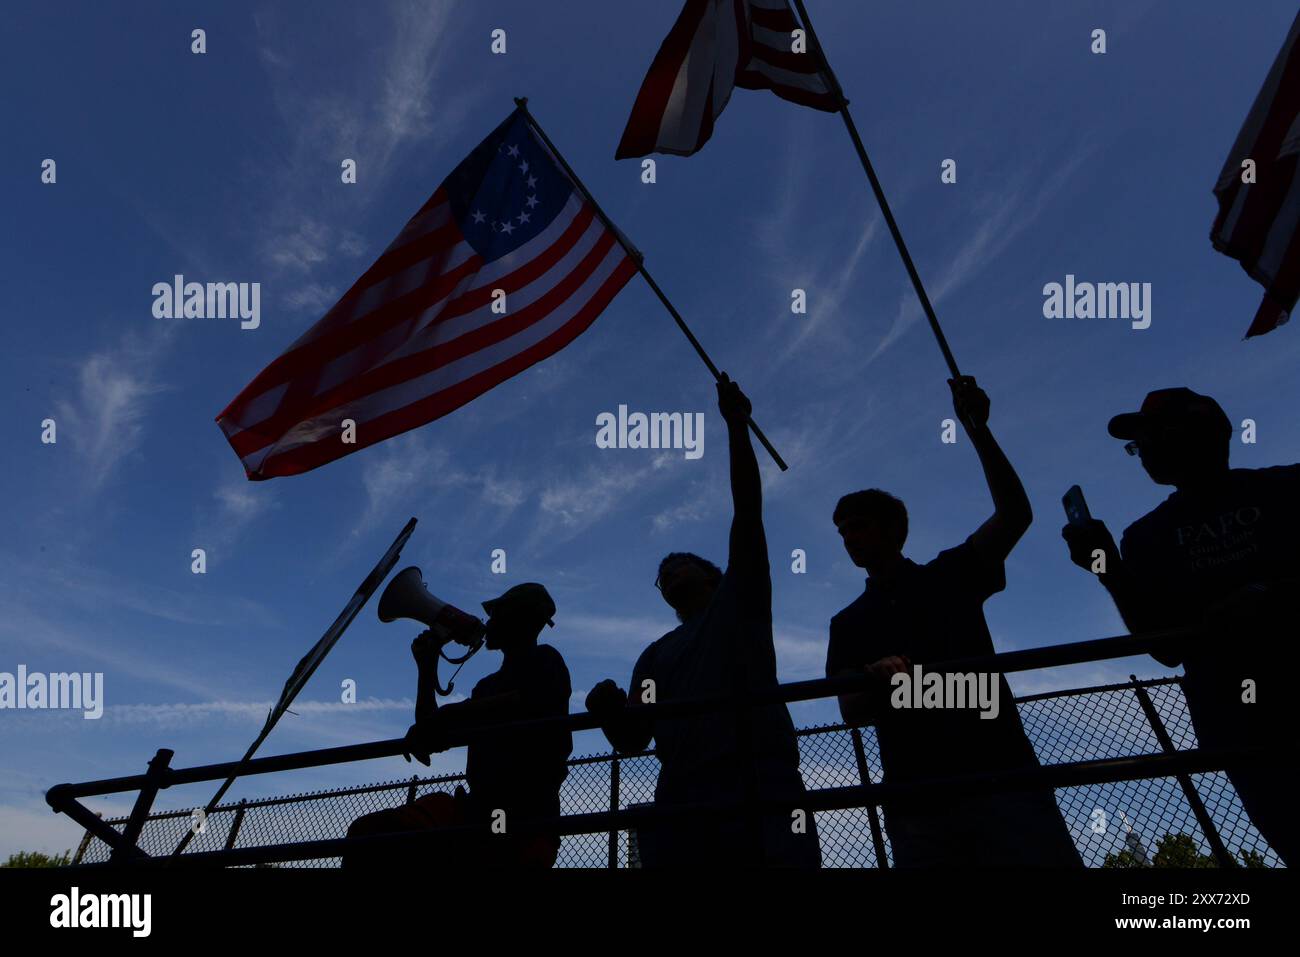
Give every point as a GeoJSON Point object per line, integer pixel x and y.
{"type": "Point", "coordinates": [407, 597]}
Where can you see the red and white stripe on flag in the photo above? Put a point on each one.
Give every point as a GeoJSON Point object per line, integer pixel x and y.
{"type": "Point", "coordinates": [1258, 223]}
{"type": "Point", "coordinates": [425, 328]}
{"type": "Point", "coordinates": [716, 45]}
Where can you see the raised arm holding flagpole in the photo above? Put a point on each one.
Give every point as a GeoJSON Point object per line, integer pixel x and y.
{"type": "Point", "coordinates": [717, 45]}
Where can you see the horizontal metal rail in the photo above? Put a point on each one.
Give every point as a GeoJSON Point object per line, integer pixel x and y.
{"type": "Point", "coordinates": [1006, 662]}
{"type": "Point", "coordinates": [1103, 771]}
{"type": "Point", "coordinates": [64, 797]}
{"type": "Point", "coordinates": [1099, 689]}
{"type": "Point", "coordinates": [589, 759]}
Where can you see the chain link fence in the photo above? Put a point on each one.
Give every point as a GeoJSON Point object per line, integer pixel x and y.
{"type": "Point", "coordinates": [1065, 726]}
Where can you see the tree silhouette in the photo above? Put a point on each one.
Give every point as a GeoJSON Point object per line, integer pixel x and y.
{"type": "Point", "coordinates": [1179, 851]}
{"type": "Point", "coordinates": [37, 859]}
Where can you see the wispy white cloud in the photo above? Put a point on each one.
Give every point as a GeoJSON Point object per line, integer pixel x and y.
{"type": "Point", "coordinates": [27, 631]}
{"type": "Point", "coordinates": [503, 493]}
{"type": "Point", "coordinates": [410, 95]}
{"type": "Point", "coordinates": [800, 651]}
{"type": "Point", "coordinates": [92, 590]}
{"type": "Point", "coordinates": [573, 501]}
{"type": "Point", "coordinates": [401, 469]}
{"type": "Point", "coordinates": [313, 297]}
{"type": "Point", "coordinates": [615, 636]}
{"type": "Point", "coordinates": [830, 287]}
{"type": "Point", "coordinates": [684, 513]}
{"type": "Point", "coordinates": [369, 117]}
{"type": "Point", "coordinates": [236, 504]}
{"type": "Point", "coordinates": [375, 112]}
{"type": "Point", "coordinates": [303, 248]}
{"type": "Point", "coordinates": [413, 474]}
{"type": "Point", "coordinates": [578, 502]}
{"type": "Point", "coordinates": [103, 420]}
{"type": "Point", "coordinates": [243, 712]}
{"type": "Point", "coordinates": [301, 251]}
{"type": "Point", "coordinates": [1004, 217]}
{"type": "Point", "coordinates": [796, 261]}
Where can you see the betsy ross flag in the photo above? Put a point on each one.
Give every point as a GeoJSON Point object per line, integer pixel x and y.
{"type": "Point", "coordinates": [1259, 222]}
{"type": "Point", "coordinates": [716, 45]}
{"type": "Point", "coordinates": [417, 335]}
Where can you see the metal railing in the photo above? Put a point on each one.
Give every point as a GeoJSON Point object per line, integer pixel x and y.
{"type": "Point", "coordinates": [1115, 754]}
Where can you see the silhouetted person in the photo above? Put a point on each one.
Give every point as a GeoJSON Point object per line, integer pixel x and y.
{"type": "Point", "coordinates": [1221, 552]}
{"type": "Point", "coordinates": [927, 614]}
{"type": "Point", "coordinates": [723, 645]}
{"type": "Point", "coordinates": [518, 773]}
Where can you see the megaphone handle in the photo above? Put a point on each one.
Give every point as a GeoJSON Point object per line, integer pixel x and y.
{"type": "Point", "coordinates": [456, 661]}
{"type": "Point", "coordinates": [451, 682]}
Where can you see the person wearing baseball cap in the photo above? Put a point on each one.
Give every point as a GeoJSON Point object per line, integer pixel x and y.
{"type": "Point", "coordinates": [1219, 555]}
{"type": "Point", "coordinates": [530, 601]}
{"type": "Point", "coordinates": [1176, 410]}
{"type": "Point", "coordinates": [513, 777]}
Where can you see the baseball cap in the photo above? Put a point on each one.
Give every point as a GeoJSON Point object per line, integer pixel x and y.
{"type": "Point", "coordinates": [530, 598]}
{"type": "Point", "coordinates": [1180, 406]}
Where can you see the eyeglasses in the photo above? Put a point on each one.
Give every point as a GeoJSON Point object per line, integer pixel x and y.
{"type": "Point", "coordinates": [670, 569]}
{"type": "Point", "coordinates": [1169, 431]}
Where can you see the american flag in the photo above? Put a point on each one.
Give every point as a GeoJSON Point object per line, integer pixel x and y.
{"type": "Point", "coordinates": [716, 45]}
{"type": "Point", "coordinates": [1259, 223]}
{"type": "Point", "coordinates": [417, 335]}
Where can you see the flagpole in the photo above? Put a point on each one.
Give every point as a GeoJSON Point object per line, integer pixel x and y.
{"type": "Point", "coordinates": [307, 667]}
{"type": "Point", "coordinates": [838, 91]}
{"type": "Point", "coordinates": [522, 103]}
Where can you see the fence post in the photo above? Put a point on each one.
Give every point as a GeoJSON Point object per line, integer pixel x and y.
{"type": "Point", "coordinates": [85, 843]}
{"type": "Point", "coordinates": [234, 827]}
{"type": "Point", "coordinates": [864, 777]}
{"type": "Point", "coordinates": [410, 790]}
{"type": "Point", "coordinates": [613, 806]}
{"type": "Point", "coordinates": [144, 801]}
{"type": "Point", "coordinates": [1211, 832]}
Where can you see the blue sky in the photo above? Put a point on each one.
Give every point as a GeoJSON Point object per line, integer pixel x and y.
{"type": "Point", "coordinates": [225, 167]}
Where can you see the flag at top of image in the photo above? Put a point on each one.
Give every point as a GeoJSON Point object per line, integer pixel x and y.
{"type": "Point", "coordinates": [418, 336]}
{"type": "Point", "coordinates": [1258, 222]}
{"type": "Point", "coordinates": [716, 45]}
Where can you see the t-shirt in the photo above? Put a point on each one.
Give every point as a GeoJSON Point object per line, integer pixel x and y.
{"type": "Point", "coordinates": [521, 772]}
{"type": "Point", "coordinates": [723, 649]}
{"type": "Point", "coordinates": [726, 647]}
{"type": "Point", "coordinates": [1199, 546]}
{"type": "Point", "coordinates": [931, 613]}
{"type": "Point", "coordinates": [1196, 547]}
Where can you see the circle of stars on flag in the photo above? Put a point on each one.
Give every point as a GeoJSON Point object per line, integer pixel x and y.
{"type": "Point", "coordinates": [508, 226]}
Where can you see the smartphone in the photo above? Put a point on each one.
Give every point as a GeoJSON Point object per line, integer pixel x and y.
{"type": "Point", "coordinates": [1076, 508]}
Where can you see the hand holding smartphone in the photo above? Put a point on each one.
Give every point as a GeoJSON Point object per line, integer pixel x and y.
{"type": "Point", "coordinates": [1076, 507]}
